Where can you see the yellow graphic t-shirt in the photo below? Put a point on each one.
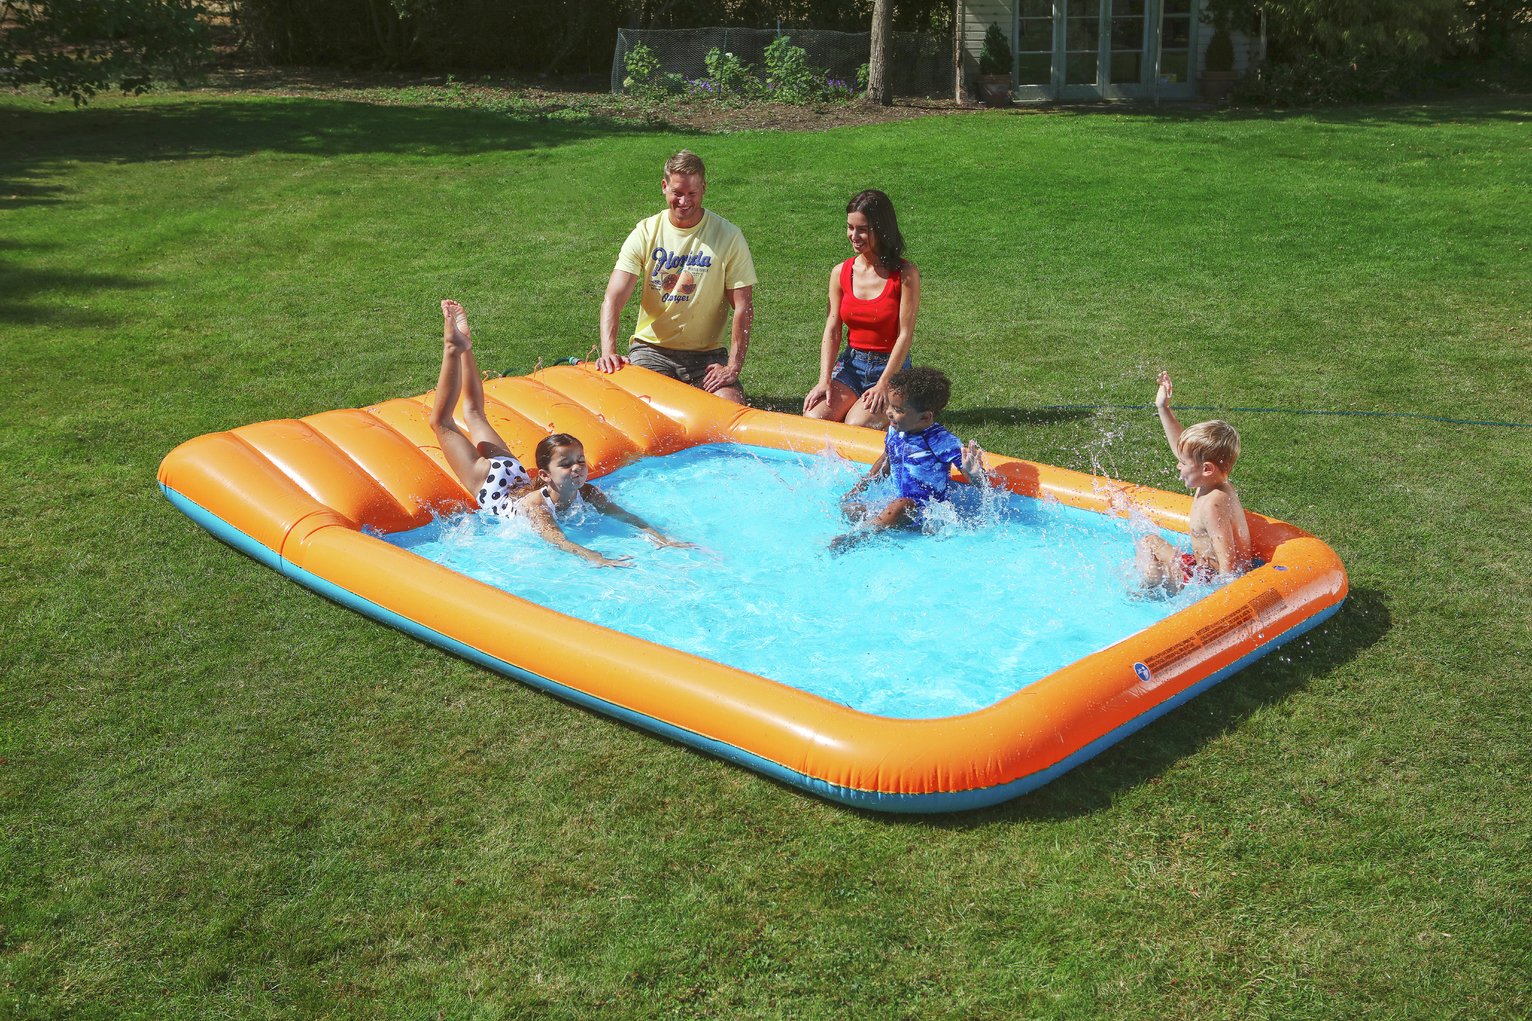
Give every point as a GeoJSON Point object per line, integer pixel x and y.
{"type": "Point", "coordinates": [683, 275]}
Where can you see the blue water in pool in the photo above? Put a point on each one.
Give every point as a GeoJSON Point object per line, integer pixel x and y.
{"type": "Point", "coordinates": [998, 592]}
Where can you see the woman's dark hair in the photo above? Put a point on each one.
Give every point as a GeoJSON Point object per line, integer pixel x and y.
{"type": "Point", "coordinates": [879, 210]}
{"type": "Point", "coordinates": [543, 455]}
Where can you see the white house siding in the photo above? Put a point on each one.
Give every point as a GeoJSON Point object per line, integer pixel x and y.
{"type": "Point", "coordinates": [977, 16]}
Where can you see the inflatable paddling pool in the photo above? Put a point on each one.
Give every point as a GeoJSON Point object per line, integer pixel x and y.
{"type": "Point", "coordinates": [310, 498]}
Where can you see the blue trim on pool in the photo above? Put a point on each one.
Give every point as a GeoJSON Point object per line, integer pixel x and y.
{"type": "Point", "coordinates": [942, 801]}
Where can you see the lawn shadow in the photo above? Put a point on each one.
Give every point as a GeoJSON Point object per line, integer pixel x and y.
{"type": "Point", "coordinates": [30, 297]}
{"type": "Point", "coordinates": [980, 417]}
{"type": "Point", "coordinates": [204, 129]}
{"type": "Point", "coordinates": [16, 192]}
{"type": "Point", "coordinates": [1143, 757]}
{"type": "Point", "coordinates": [773, 402]}
{"type": "Point", "coordinates": [1478, 108]}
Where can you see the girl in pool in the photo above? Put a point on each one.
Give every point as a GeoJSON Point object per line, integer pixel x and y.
{"type": "Point", "coordinates": [486, 467]}
{"type": "Point", "coordinates": [875, 295]}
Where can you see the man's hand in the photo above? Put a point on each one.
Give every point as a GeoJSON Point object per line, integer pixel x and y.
{"type": "Point", "coordinates": [610, 363]}
{"type": "Point", "coordinates": [720, 376]}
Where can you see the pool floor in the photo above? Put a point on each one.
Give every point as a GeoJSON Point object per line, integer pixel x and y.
{"type": "Point", "coordinates": [996, 593]}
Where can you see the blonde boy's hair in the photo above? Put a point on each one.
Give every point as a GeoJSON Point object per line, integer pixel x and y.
{"type": "Point", "coordinates": [1214, 441]}
{"type": "Point", "coordinates": [685, 162]}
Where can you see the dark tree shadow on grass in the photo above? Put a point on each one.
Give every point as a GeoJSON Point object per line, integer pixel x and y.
{"type": "Point", "coordinates": [1446, 109]}
{"type": "Point", "coordinates": [202, 129]}
{"type": "Point", "coordinates": [1142, 757]}
{"type": "Point", "coordinates": [30, 297]}
{"type": "Point", "coordinates": [16, 192]}
{"type": "Point", "coordinates": [966, 417]}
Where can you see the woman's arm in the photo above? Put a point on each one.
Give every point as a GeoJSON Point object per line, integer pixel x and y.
{"type": "Point", "coordinates": [829, 346]}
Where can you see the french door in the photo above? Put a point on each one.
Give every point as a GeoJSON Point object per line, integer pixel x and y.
{"type": "Point", "coordinates": [1104, 49]}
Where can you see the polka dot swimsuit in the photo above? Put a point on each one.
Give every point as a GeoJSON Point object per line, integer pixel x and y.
{"type": "Point", "coordinates": [506, 479]}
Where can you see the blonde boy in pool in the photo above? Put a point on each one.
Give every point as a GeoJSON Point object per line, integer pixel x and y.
{"type": "Point", "coordinates": [1205, 455]}
{"type": "Point", "coordinates": [485, 465]}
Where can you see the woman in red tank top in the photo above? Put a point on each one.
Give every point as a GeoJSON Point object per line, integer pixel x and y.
{"type": "Point", "coordinates": [874, 295]}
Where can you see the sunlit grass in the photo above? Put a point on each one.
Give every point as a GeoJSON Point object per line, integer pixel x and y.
{"type": "Point", "coordinates": [224, 796]}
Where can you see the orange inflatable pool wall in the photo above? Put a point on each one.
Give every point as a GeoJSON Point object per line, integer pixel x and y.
{"type": "Point", "coordinates": [302, 495]}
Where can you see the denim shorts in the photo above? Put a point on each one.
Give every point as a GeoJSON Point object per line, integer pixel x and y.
{"type": "Point", "coordinates": [861, 370]}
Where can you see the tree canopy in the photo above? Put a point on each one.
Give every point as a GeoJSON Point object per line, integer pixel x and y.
{"type": "Point", "coordinates": [78, 48]}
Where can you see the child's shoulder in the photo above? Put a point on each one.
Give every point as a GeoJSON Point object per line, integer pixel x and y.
{"type": "Point", "coordinates": [940, 436]}
{"type": "Point", "coordinates": [1222, 499]}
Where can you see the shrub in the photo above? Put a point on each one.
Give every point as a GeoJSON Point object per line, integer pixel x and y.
{"type": "Point", "coordinates": [730, 76]}
{"type": "Point", "coordinates": [995, 56]}
{"type": "Point", "coordinates": [641, 65]}
{"type": "Point", "coordinates": [790, 79]}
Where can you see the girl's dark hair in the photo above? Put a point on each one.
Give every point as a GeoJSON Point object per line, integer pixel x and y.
{"type": "Point", "coordinates": [543, 455]}
{"type": "Point", "coordinates": [879, 210]}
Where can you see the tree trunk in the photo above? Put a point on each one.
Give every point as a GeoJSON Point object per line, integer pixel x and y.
{"type": "Point", "coordinates": [878, 89]}
{"type": "Point", "coordinates": [959, 75]}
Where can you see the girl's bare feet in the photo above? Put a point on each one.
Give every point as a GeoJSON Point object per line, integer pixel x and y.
{"type": "Point", "coordinates": [455, 333]}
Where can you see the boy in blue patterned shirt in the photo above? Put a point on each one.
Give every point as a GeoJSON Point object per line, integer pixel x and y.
{"type": "Point", "coordinates": [917, 452]}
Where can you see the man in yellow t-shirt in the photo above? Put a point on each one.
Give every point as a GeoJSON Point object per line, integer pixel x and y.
{"type": "Point", "coordinates": [694, 267]}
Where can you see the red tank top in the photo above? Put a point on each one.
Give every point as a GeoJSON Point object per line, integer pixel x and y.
{"type": "Point", "coordinates": [871, 324]}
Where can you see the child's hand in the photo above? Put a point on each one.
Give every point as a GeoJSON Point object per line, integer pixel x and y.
{"type": "Point", "coordinates": [1117, 498]}
{"type": "Point", "coordinates": [666, 542]}
{"type": "Point", "coordinates": [973, 462]}
{"type": "Point", "coordinates": [601, 561]}
{"type": "Point", "coordinates": [1162, 399]}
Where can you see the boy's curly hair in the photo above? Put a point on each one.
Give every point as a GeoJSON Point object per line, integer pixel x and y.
{"type": "Point", "coordinates": [923, 388]}
{"type": "Point", "coordinates": [1215, 441]}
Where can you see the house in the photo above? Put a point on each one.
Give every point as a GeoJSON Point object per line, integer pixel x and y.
{"type": "Point", "coordinates": [1081, 50]}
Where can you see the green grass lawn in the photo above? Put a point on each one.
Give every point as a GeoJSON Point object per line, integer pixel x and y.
{"type": "Point", "coordinates": [223, 796]}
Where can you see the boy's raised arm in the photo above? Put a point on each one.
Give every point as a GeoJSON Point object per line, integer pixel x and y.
{"type": "Point", "coordinates": [1168, 420]}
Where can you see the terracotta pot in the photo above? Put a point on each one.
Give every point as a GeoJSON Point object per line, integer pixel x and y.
{"type": "Point", "coordinates": [995, 89]}
{"type": "Point", "coordinates": [1216, 85]}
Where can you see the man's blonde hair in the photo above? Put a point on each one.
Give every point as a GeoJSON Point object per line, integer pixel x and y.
{"type": "Point", "coordinates": [1214, 441]}
{"type": "Point", "coordinates": [685, 162]}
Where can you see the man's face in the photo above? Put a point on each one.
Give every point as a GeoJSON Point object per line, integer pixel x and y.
{"type": "Point", "coordinates": [683, 197]}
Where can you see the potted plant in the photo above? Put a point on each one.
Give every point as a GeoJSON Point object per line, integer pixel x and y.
{"type": "Point", "coordinates": [995, 68]}
{"type": "Point", "coordinates": [1227, 17]}
{"type": "Point", "coordinates": [1218, 75]}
